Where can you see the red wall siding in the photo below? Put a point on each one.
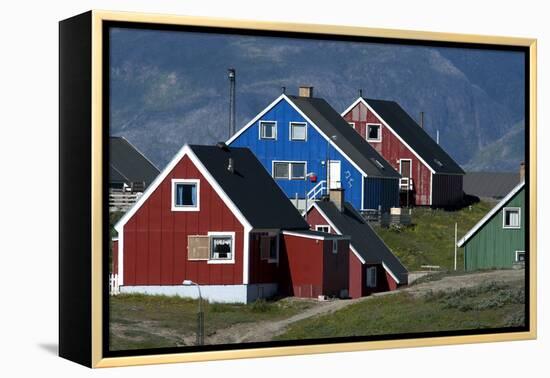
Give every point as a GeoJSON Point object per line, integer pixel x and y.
{"type": "Point", "coordinates": [114, 254]}
{"type": "Point", "coordinates": [335, 268]}
{"type": "Point", "coordinates": [155, 238]}
{"type": "Point", "coordinates": [261, 271]}
{"type": "Point", "coordinates": [356, 276]}
{"type": "Point", "coordinates": [302, 264]}
{"type": "Point", "coordinates": [392, 149]}
{"type": "Point", "coordinates": [384, 281]}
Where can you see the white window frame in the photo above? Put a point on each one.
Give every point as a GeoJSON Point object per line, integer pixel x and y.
{"type": "Point", "coordinates": [221, 261]}
{"type": "Point", "coordinates": [352, 124]}
{"type": "Point", "coordinates": [260, 136]}
{"type": "Point", "coordinates": [176, 181]}
{"type": "Point", "coordinates": [289, 162]}
{"type": "Point", "coordinates": [318, 226]}
{"type": "Point", "coordinates": [517, 254]}
{"type": "Point", "coordinates": [377, 140]}
{"type": "Point", "coordinates": [504, 218]}
{"type": "Point", "coordinates": [371, 269]}
{"type": "Point", "coordinates": [335, 246]}
{"type": "Point", "coordinates": [290, 124]}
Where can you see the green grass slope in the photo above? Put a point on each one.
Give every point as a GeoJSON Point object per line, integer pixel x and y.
{"type": "Point", "coordinates": [430, 240]}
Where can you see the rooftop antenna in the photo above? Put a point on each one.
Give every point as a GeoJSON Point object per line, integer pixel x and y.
{"type": "Point", "coordinates": [437, 136]}
{"type": "Point", "coordinates": [231, 73]}
{"type": "Point", "coordinates": [421, 120]}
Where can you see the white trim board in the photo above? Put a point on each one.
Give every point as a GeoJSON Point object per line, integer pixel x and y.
{"type": "Point", "coordinates": [490, 214]}
{"type": "Point", "coordinates": [293, 105]}
{"type": "Point", "coordinates": [184, 151]}
{"type": "Point", "coordinates": [316, 237]}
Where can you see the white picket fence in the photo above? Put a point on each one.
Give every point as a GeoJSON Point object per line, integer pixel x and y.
{"type": "Point", "coordinates": [114, 288]}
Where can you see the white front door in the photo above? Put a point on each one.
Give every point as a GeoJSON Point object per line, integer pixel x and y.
{"type": "Point", "coordinates": [334, 174]}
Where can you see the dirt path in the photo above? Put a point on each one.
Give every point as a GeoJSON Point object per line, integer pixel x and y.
{"type": "Point", "coordinates": [265, 331]}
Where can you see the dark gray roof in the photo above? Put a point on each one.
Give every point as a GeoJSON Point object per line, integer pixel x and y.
{"type": "Point", "coordinates": [250, 187]}
{"type": "Point", "coordinates": [416, 137]}
{"type": "Point", "coordinates": [363, 238]}
{"type": "Point", "coordinates": [127, 164]}
{"type": "Point", "coordinates": [490, 185]}
{"type": "Point", "coordinates": [331, 123]}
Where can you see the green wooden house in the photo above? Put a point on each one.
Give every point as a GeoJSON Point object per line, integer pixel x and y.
{"type": "Point", "coordinates": [498, 239]}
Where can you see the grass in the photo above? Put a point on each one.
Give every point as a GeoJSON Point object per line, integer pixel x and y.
{"type": "Point", "coordinates": [430, 239]}
{"type": "Point", "coordinates": [144, 321]}
{"type": "Point", "coordinates": [491, 305]}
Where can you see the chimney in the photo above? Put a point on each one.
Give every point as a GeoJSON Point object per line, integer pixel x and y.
{"type": "Point", "coordinates": [232, 76]}
{"type": "Point", "coordinates": [305, 91]}
{"type": "Point", "coordinates": [231, 165]}
{"type": "Point", "coordinates": [421, 120]}
{"type": "Point", "coordinates": [360, 93]}
{"type": "Point", "coordinates": [522, 171]}
{"type": "Point", "coordinates": [336, 196]}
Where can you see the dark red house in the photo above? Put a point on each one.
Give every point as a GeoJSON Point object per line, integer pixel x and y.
{"type": "Point", "coordinates": [372, 265]}
{"type": "Point", "coordinates": [215, 217]}
{"type": "Point", "coordinates": [430, 177]}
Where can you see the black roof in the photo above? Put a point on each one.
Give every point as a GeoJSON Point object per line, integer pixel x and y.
{"type": "Point", "coordinates": [358, 149]}
{"type": "Point", "coordinates": [363, 238]}
{"type": "Point", "coordinates": [416, 137]}
{"type": "Point", "coordinates": [490, 185]}
{"type": "Point", "coordinates": [250, 187]}
{"type": "Point", "coordinates": [127, 164]}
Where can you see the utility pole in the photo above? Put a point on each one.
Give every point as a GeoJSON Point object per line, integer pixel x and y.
{"type": "Point", "coordinates": [231, 73]}
{"type": "Point", "coordinates": [456, 235]}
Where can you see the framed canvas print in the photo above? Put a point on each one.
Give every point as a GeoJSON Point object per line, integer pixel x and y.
{"type": "Point", "coordinates": [234, 189]}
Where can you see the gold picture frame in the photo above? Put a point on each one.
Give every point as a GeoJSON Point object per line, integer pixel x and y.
{"type": "Point", "coordinates": [95, 20]}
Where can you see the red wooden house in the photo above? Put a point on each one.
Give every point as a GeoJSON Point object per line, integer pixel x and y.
{"type": "Point", "coordinates": [430, 177]}
{"type": "Point", "coordinates": [215, 217]}
{"type": "Point", "coordinates": [372, 265]}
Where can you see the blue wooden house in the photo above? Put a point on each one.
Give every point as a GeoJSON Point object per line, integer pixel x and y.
{"type": "Point", "coordinates": [298, 137]}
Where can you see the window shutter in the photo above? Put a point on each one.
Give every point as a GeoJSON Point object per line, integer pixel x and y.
{"type": "Point", "coordinates": [198, 247]}
{"type": "Point", "coordinates": [264, 247]}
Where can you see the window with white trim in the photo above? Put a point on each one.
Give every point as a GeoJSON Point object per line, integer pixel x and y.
{"type": "Point", "coordinates": [323, 228]}
{"type": "Point", "coordinates": [371, 277]}
{"type": "Point", "coordinates": [185, 194]}
{"type": "Point", "coordinates": [268, 130]}
{"type": "Point", "coordinates": [374, 132]}
{"type": "Point", "coordinates": [298, 131]}
{"type": "Point", "coordinates": [520, 256]}
{"type": "Point", "coordinates": [352, 124]}
{"type": "Point", "coordinates": [221, 247]}
{"type": "Point", "coordinates": [289, 170]}
{"type": "Point", "coordinates": [511, 217]}
{"type": "Point", "coordinates": [335, 246]}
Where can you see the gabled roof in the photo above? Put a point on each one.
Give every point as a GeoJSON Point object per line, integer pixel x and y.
{"type": "Point", "coordinates": [250, 192]}
{"type": "Point", "coordinates": [490, 214]}
{"type": "Point", "coordinates": [128, 164]}
{"type": "Point", "coordinates": [364, 240]}
{"type": "Point", "coordinates": [406, 129]}
{"type": "Point", "coordinates": [494, 185]}
{"type": "Point", "coordinates": [261, 201]}
{"type": "Point", "coordinates": [329, 123]}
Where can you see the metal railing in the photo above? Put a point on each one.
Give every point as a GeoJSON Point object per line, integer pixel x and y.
{"type": "Point", "coordinates": [317, 190]}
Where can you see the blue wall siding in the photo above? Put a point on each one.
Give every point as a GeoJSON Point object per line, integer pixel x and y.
{"type": "Point", "coordinates": [313, 151]}
{"type": "Point", "coordinates": [382, 192]}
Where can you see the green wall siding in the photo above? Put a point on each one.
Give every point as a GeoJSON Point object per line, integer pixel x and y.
{"type": "Point", "coordinates": [494, 246]}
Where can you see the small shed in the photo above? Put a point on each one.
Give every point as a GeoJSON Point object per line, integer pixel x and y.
{"type": "Point", "coordinates": [498, 239]}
